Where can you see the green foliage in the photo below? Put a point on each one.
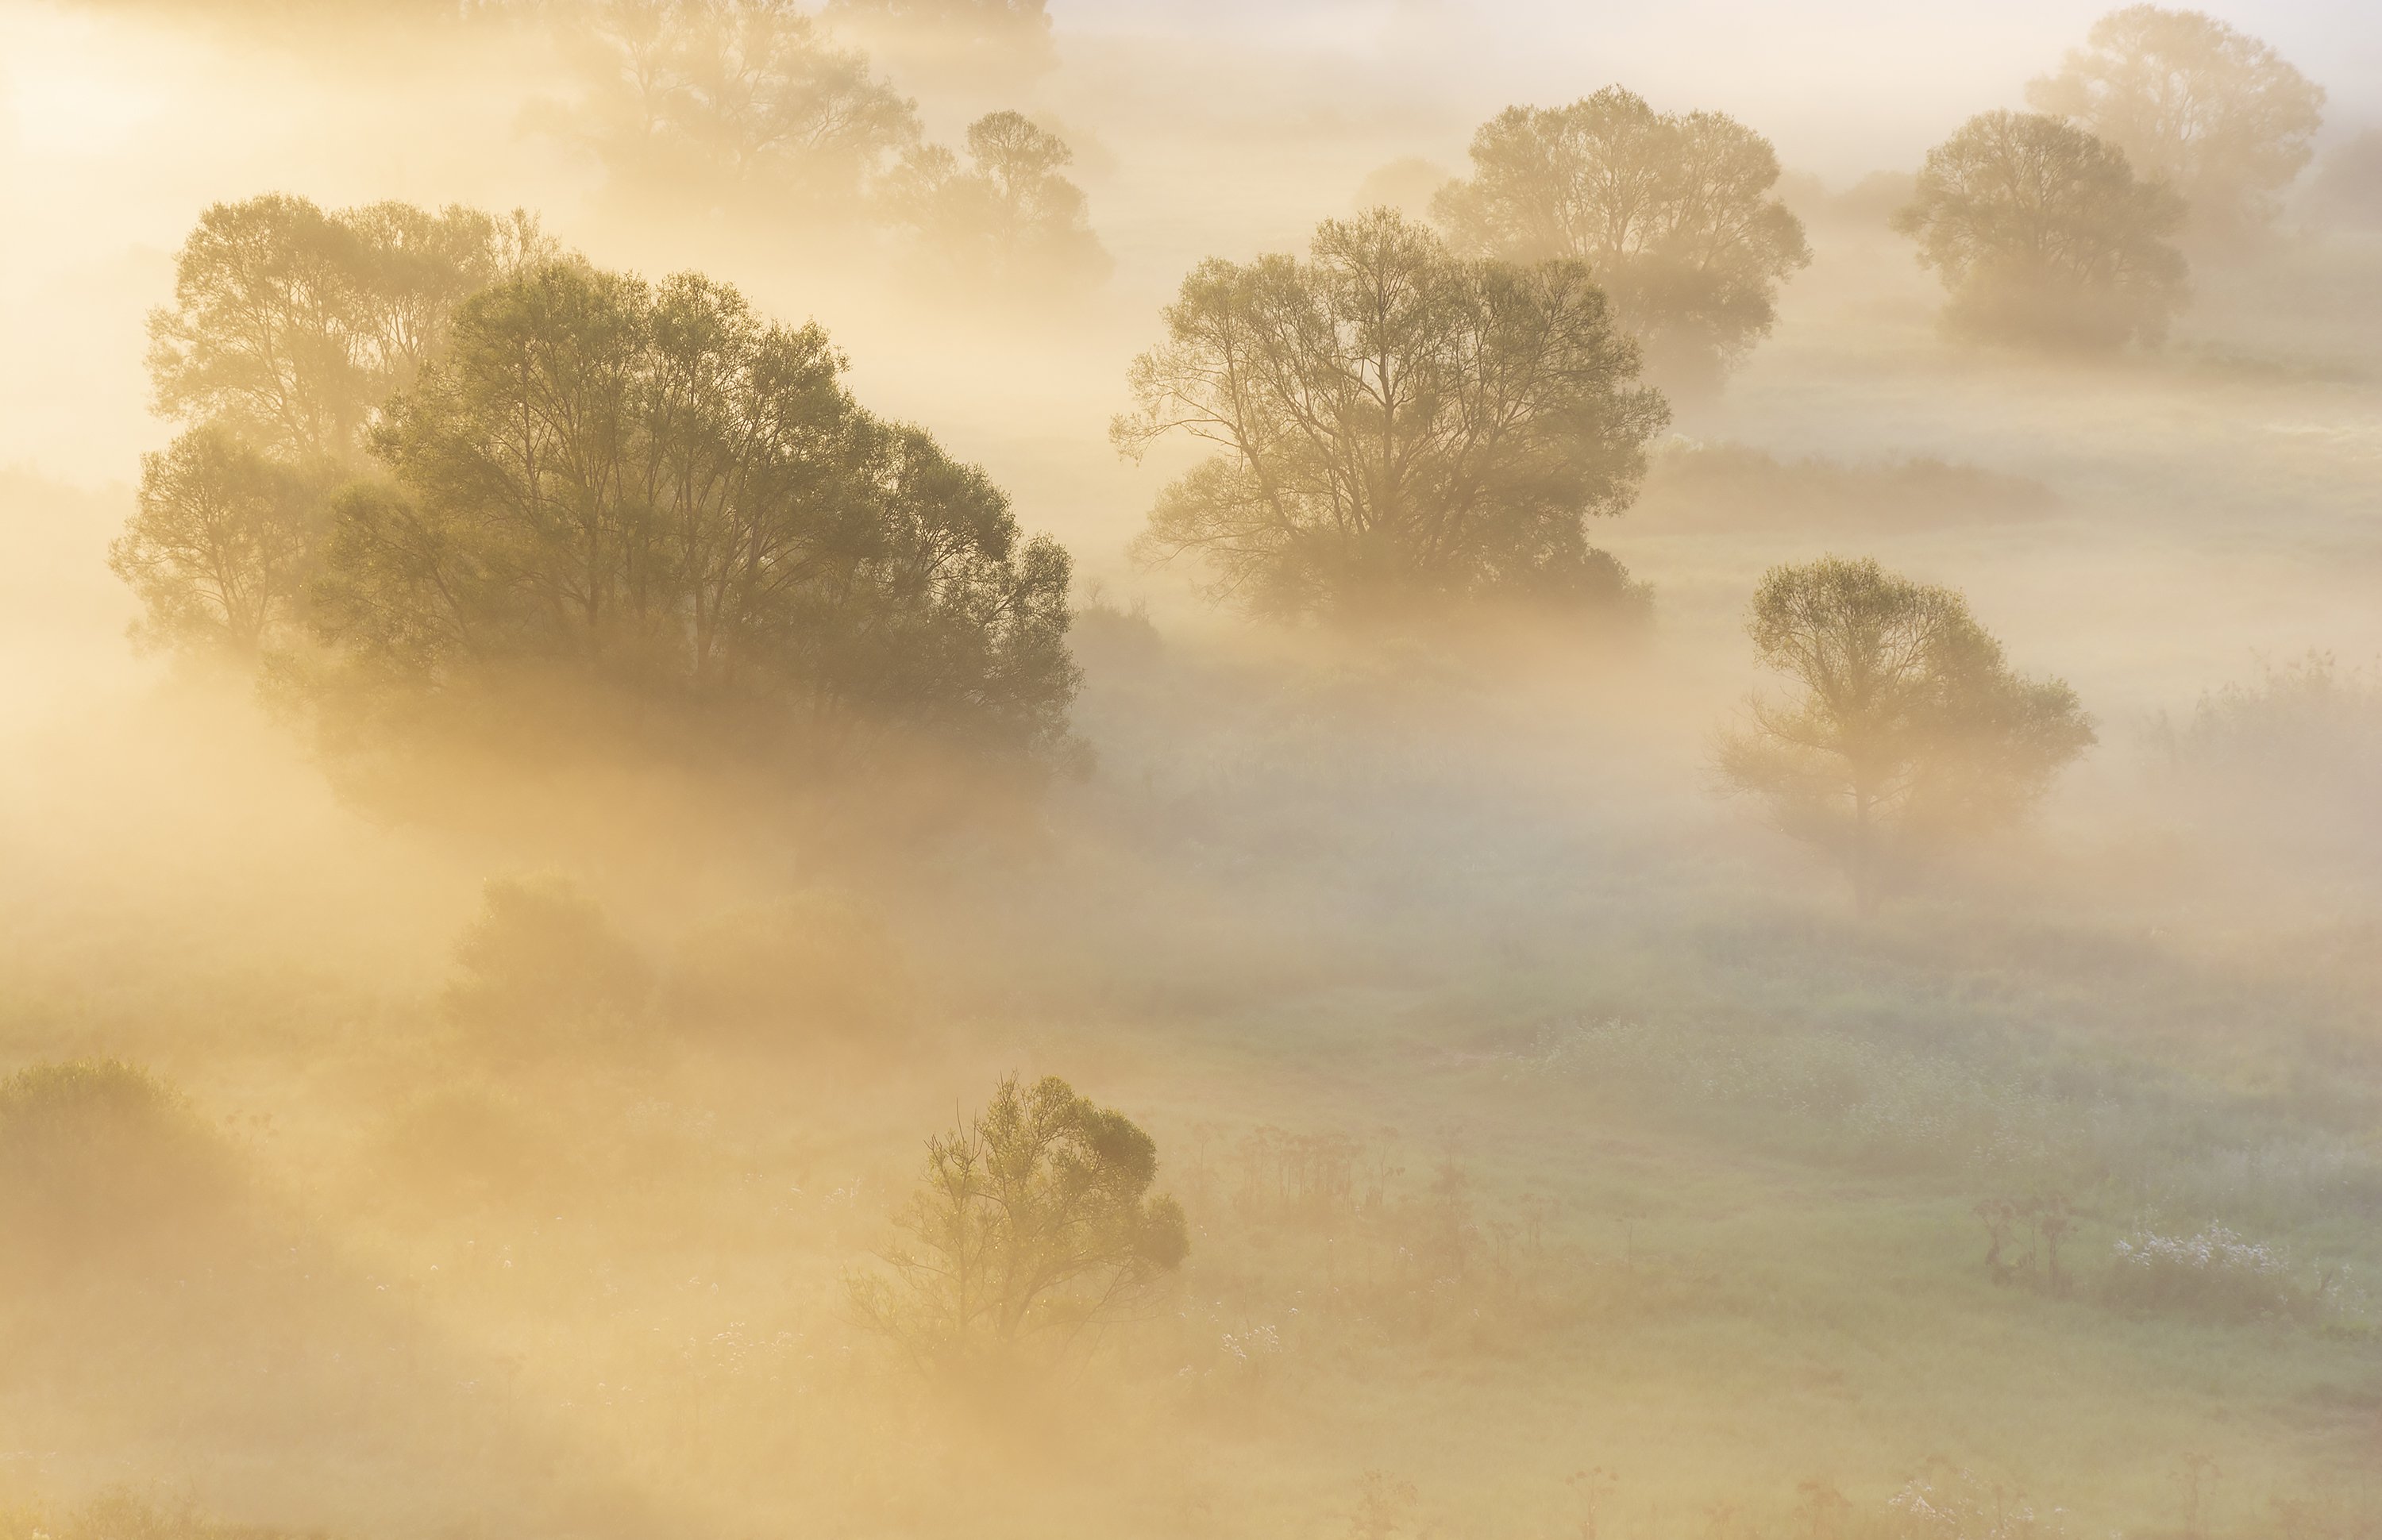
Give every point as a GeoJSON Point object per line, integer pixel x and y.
{"type": "Point", "coordinates": [1672, 213]}
{"type": "Point", "coordinates": [97, 1157]}
{"type": "Point", "coordinates": [541, 961]}
{"type": "Point", "coordinates": [1036, 1227]}
{"type": "Point", "coordinates": [1396, 424]}
{"type": "Point", "coordinates": [746, 101]}
{"type": "Point", "coordinates": [291, 324]}
{"type": "Point", "coordinates": [2194, 103]}
{"type": "Point", "coordinates": [222, 548]}
{"type": "Point", "coordinates": [652, 493]}
{"type": "Point", "coordinates": [1010, 219]}
{"type": "Point", "coordinates": [1905, 728]}
{"type": "Point", "coordinates": [2042, 236]}
{"type": "Point", "coordinates": [794, 970]}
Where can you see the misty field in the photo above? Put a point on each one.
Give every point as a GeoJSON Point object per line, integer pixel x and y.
{"type": "Point", "coordinates": [443, 1096]}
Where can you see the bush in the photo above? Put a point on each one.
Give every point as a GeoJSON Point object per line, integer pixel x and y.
{"type": "Point", "coordinates": [2218, 1275]}
{"type": "Point", "coordinates": [100, 1156]}
{"type": "Point", "coordinates": [541, 960]}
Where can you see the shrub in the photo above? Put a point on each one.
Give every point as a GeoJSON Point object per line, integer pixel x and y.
{"type": "Point", "coordinates": [98, 1155]}
{"type": "Point", "coordinates": [541, 959]}
{"type": "Point", "coordinates": [2217, 1274]}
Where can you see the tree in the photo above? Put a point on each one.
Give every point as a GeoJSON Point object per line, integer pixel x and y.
{"type": "Point", "coordinates": [656, 495]}
{"type": "Point", "coordinates": [1396, 423]}
{"type": "Point", "coordinates": [1904, 727]}
{"type": "Point", "coordinates": [1010, 217]}
{"type": "Point", "coordinates": [954, 45]}
{"type": "Point", "coordinates": [711, 98]}
{"type": "Point", "coordinates": [2042, 236]}
{"type": "Point", "coordinates": [291, 324]}
{"type": "Point", "coordinates": [1672, 212]}
{"type": "Point", "coordinates": [222, 546]}
{"type": "Point", "coordinates": [2213, 112]}
{"type": "Point", "coordinates": [1034, 1227]}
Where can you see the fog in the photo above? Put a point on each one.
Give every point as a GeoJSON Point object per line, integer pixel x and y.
{"type": "Point", "coordinates": [470, 1069]}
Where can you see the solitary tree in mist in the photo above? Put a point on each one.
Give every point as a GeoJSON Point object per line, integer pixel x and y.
{"type": "Point", "coordinates": [2211, 111]}
{"type": "Point", "coordinates": [1008, 217]}
{"type": "Point", "coordinates": [222, 544]}
{"type": "Point", "coordinates": [1672, 213]}
{"type": "Point", "coordinates": [2042, 236]}
{"type": "Point", "coordinates": [1034, 1227]}
{"type": "Point", "coordinates": [652, 493]}
{"type": "Point", "coordinates": [1902, 725]}
{"type": "Point", "coordinates": [291, 324]}
{"type": "Point", "coordinates": [1394, 423]}
{"type": "Point", "coordinates": [953, 44]}
{"type": "Point", "coordinates": [746, 98]}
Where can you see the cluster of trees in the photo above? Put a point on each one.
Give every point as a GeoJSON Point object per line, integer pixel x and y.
{"type": "Point", "coordinates": [718, 104]}
{"type": "Point", "coordinates": [646, 493]}
{"type": "Point", "coordinates": [2062, 227]}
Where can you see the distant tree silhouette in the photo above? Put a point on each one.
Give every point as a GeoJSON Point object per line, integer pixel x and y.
{"type": "Point", "coordinates": [1396, 423]}
{"type": "Point", "coordinates": [1035, 1228]}
{"type": "Point", "coordinates": [2042, 236]}
{"type": "Point", "coordinates": [1672, 212]}
{"type": "Point", "coordinates": [1902, 728]}
{"type": "Point", "coordinates": [749, 100]}
{"type": "Point", "coordinates": [2214, 112]}
{"type": "Point", "coordinates": [653, 494]}
{"type": "Point", "coordinates": [1009, 219]}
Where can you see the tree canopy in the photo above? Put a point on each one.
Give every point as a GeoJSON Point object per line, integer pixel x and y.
{"type": "Point", "coordinates": [653, 490]}
{"type": "Point", "coordinates": [1903, 726]}
{"type": "Point", "coordinates": [1035, 1225]}
{"type": "Point", "coordinates": [291, 326]}
{"type": "Point", "coordinates": [1672, 213]}
{"type": "Point", "coordinates": [1009, 217]}
{"type": "Point", "coordinates": [2043, 235]}
{"type": "Point", "coordinates": [1394, 423]}
{"type": "Point", "coordinates": [222, 543]}
{"type": "Point", "coordinates": [707, 98]}
{"type": "Point", "coordinates": [291, 323]}
{"type": "Point", "coordinates": [2210, 110]}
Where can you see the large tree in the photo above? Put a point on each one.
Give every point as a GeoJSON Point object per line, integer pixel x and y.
{"type": "Point", "coordinates": [2210, 110]}
{"type": "Point", "coordinates": [748, 99]}
{"type": "Point", "coordinates": [1672, 213]}
{"type": "Point", "coordinates": [656, 493]}
{"type": "Point", "coordinates": [1009, 217]}
{"type": "Point", "coordinates": [291, 323]}
{"type": "Point", "coordinates": [222, 543]}
{"type": "Point", "coordinates": [2043, 235]}
{"type": "Point", "coordinates": [291, 326]}
{"type": "Point", "coordinates": [1902, 727]}
{"type": "Point", "coordinates": [1036, 1226]}
{"type": "Point", "coordinates": [1394, 423]}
